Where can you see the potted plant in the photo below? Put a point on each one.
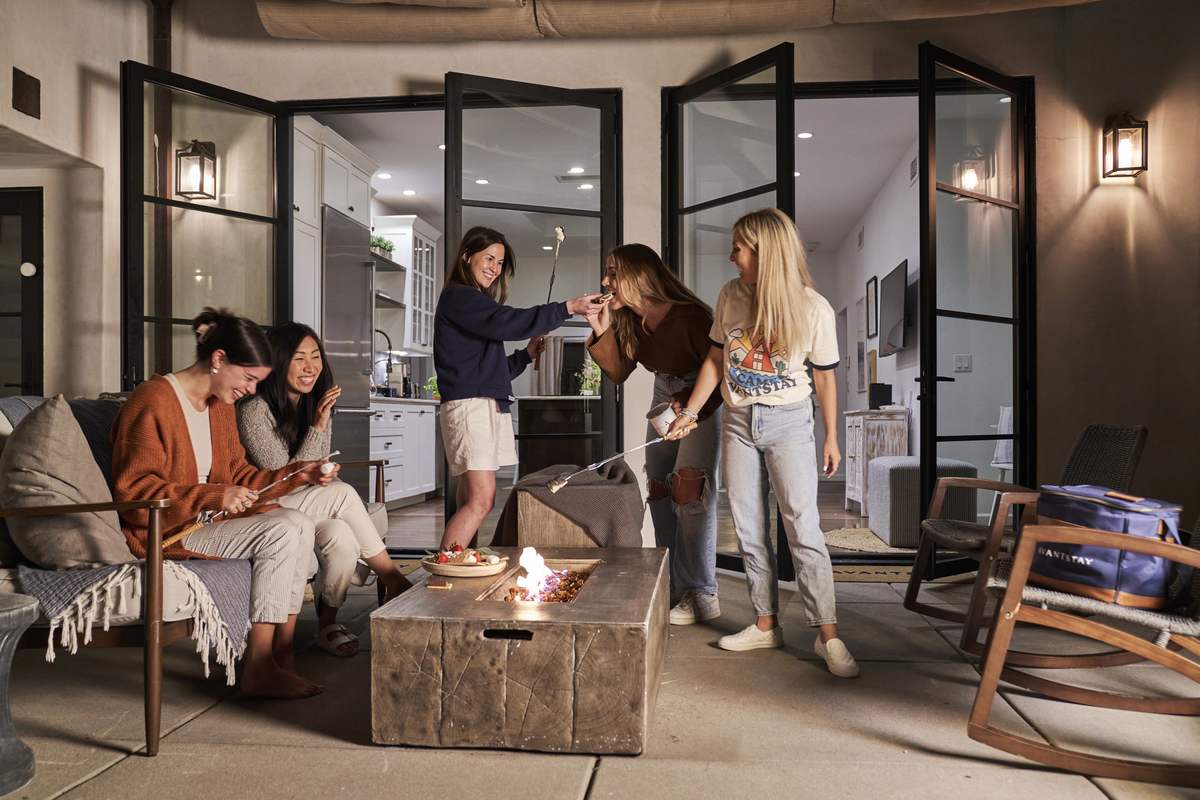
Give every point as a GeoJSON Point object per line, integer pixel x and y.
{"type": "Point", "coordinates": [381, 246]}
{"type": "Point", "coordinates": [432, 387]}
{"type": "Point", "coordinates": [589, 377]}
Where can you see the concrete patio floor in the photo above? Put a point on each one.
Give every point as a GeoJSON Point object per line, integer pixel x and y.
{"type": "Point", "coordinates": [727, 725]}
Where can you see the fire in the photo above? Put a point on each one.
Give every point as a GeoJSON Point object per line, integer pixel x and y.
{"type": "Point", "coordinates": [533, 582]}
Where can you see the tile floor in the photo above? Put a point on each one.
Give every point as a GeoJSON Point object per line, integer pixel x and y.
{"type": "Point", "coordinates": [726, 725]}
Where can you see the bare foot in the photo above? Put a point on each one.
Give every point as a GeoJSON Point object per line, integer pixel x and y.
{"type": "Point", "coordinates": [393, 587]}
{"type": "Point", "coordinates": [285, 660]}
{"type": "Point", "coordinates": [270, 681]}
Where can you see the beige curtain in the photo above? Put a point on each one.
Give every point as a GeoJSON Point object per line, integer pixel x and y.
{"type": "Point", "coordinates": [548, 377]}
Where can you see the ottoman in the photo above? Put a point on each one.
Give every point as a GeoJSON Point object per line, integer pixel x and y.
{"type": "Point", "coordinates": [894, 497]}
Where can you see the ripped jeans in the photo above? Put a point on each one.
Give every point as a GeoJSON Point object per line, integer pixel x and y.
{"type": "Point", "coordinates": [683, 470]}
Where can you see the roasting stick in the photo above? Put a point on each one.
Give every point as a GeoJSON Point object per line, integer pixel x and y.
{"type": "Point", "coordinates": [561, 480]}
{"type": "Point", "coordinates": [560, 235]}
{"type": "Point", "coordinates": [209, 517]}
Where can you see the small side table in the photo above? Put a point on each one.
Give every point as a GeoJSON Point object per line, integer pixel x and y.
{"type": "Point", "coordinates": [17, 612]}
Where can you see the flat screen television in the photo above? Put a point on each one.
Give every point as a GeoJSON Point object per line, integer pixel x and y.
{"type": "Point", "coordinates": [892, 292]}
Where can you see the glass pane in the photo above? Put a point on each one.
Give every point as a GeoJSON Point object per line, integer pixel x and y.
{"type": "Point", "coordinates": [706, 243]}
{"type": "Point", "coordinates": [974, 460]}
{"type": "Point", "coordinates": [180, 353]}
{"type": "Point", "coordinates": [728, 139]}
{"type": "Point", "coordinates": [975, 252]}
{"type": "Point", "coordinates": [979, 357]}
{"type": "Point", "coordinates": [974, 136]}
{"type": "Point", "coordinates": [215, 261]}
{"type": "Point", "coordinates": [580, 262]}
{"type": "Point", "coordinates": [514, 152]}
{"type": "Point", "coordinates": [242, 150]}
{"type": "Point", "coordinates": [10, 262]}
{"type": "Point", "coordinates": [10, 357]}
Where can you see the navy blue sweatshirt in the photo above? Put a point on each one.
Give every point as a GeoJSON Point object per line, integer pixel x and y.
{"type": "Point", "coordinates": [469, 332]}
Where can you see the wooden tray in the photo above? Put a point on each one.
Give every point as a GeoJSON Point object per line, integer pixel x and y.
{"type": "Point", "coordinates": [464, 570]}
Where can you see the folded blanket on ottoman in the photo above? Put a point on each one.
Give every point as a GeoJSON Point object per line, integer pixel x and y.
{"type": "Point", "coordinates": [74, 599]}
{"type": "Point", "coordinates": [606, 503]}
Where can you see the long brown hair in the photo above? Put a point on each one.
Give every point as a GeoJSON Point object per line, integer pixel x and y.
{"type": "Point", "coordinates": [642, 276]}
{"type": "Point", "coordinates": [780, 301]}
{"type": "Point", "coordinates": [473, 241]}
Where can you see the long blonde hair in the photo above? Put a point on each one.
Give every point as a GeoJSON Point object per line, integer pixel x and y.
{"type": "Point", "coordinates": [642, 277]}
{"type": "Point", "coordinates": [780, 302]}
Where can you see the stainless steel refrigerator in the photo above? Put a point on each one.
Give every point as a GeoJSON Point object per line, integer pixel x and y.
{"type": "Point", "coordinates": [348, 291]}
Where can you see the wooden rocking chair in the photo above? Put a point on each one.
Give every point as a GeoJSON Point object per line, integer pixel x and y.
{"type": "Point", "coordinates": [1020, 602]}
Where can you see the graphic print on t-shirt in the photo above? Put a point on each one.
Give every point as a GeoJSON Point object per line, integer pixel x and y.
{"type": "Point", "coordinates": [756, 369]}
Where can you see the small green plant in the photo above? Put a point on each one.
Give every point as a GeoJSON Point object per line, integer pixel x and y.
{"type": "Point", "coordinates": [589, 377]}
{"type": "Point", "coordinates": [380, 243]}
{"type": "Point", "coordinates": [432, 387]}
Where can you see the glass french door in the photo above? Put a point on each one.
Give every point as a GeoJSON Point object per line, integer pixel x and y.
{"type": "Point", "coordinates": [729, 151]}
{"type": "Point", "coordinates": [205, 174]}
{"type": "Point", "coordinates": [525, 159]}
{"type": "Point", "coordinates": [977, 321]}
{"type": "Point", "coordinates": [20, 292]}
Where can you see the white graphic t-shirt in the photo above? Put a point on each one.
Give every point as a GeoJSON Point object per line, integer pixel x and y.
{"type": "Point", "coordinates": [758, 372]}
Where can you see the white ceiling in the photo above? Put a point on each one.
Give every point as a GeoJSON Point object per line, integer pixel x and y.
{"type": "Point", "coordinates": [856, 144]}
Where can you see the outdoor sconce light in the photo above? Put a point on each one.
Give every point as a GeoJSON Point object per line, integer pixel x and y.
{"type": "Point", "coordinates": [1126, 144]}
{"type": "Point", "coordinates": [971, 170]}
{"type": "Point", "coordinates": [196, 171]}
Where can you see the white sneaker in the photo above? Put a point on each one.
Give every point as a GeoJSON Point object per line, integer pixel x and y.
{"type": "Point", "coordinates": [837, 657]}
{"type": "Point", "coordinates": [695, 607]}
{"type": "Point", "coordinates": [751, 638]}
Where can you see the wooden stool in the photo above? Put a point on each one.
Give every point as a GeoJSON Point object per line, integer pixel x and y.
{"type": "Point", "coordinates": [538, 525]}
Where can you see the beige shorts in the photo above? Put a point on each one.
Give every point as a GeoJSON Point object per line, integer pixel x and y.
{"type": "Point", "coordinates": [476, 435]}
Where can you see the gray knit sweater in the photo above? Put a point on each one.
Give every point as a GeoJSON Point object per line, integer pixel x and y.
{"type": "Point", "coordinates": [265, 448]}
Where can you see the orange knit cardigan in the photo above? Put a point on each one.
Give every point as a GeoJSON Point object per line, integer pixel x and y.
{"type": "Point", "coordinates": [153, 457]}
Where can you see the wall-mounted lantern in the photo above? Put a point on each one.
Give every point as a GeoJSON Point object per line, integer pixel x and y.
{"type": "Point", "coordinates": [196, 171]}
{"type": "Point", "coordinates": [971, 171]}
{"type": "Point", "coordinates": [1126, 146]}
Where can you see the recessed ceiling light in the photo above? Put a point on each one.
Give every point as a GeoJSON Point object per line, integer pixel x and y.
{"type": "Point", "coordinates": [482, 181]}
{"type": "Point", "coordinates": [583, 187]}
{"type": "Point", "coordinates": [575, 171]}
{"type": "Point", "coordinates": [547, 247]}
{"type": "Point", "coordinates": [804, 135]}
{"type": "Point", "coordinates": [795, 174]}
{"type": "Point", "coordinates": [441, 147]}
{"type": "Point", "coordinates": [383, 176]}
{"type": "Point", "coordinates": [1006, 99]}
{"type": "Point", "coordinates": [409, 192]}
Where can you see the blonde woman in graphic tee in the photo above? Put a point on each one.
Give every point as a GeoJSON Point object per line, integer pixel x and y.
{"type": "Point", "coordinates": [769, 327]}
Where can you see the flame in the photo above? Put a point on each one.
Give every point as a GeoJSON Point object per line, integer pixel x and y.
{"type": "Point", "coordinates": [533, 582]}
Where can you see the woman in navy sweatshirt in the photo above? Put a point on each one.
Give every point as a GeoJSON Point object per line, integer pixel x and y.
{"type": "Point", "coordinates": [474, 374]}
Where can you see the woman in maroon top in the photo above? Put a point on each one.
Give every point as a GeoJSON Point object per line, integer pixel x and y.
{"type": "Point", "coordinates": [656, 321]}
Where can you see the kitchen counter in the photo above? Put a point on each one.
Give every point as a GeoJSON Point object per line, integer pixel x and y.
{"type": "Point", "coordinates": [558, 397]}
{"type": "Point", "coordinates": [410, 400]}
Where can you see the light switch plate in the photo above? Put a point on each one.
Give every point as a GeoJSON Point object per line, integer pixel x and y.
{"type": "Point", "coordinates": [962, 362]}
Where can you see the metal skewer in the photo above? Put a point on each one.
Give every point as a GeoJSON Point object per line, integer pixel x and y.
{"type": "Point", "coordinates": [560, 234]}
{"type": "Point", "coordinates": [208, 516]}
{"type": "Point", "coordinates": [562, 480]}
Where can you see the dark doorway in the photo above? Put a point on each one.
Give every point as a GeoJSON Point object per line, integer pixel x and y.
{"type": "Point", "coordinates": [20, 292]}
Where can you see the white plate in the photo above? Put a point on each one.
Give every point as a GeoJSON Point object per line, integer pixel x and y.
{"type": "Point", "coordinates": [464, 570]}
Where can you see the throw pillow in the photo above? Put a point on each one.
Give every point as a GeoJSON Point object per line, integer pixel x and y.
{"type": "Point", "coordinates": [47, 462]}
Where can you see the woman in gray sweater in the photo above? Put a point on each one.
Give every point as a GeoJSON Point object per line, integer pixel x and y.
{"type": "Point", "coordinates": [290, 420]}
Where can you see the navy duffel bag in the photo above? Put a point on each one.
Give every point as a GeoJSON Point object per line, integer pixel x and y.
{"type": "Point", "coordinates": [1102, 573]}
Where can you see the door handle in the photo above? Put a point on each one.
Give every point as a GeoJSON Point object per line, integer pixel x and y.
{"type": "Point", "coordinates": [295, 208]}
{"type": "Point", "coordinates": [940, 378]}
{"type": "Point", "coordinates": [337, 410]}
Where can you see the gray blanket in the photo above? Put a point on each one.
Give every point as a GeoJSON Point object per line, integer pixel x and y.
{"type": "Point", "coordinates": [71, 599]}
{"type": "Point", "coordinates": [606, 503]}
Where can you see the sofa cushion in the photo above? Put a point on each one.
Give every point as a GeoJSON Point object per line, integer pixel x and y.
{"type": "Point", "coordinates": [46, 462]}
{"type": "Point", "coordinates": [96, 418]}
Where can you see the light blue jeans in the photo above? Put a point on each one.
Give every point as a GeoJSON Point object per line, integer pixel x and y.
{"type": "Point", "coordinates": [688, 529]}
{"type": "Point", "coordinates": [781, 438]}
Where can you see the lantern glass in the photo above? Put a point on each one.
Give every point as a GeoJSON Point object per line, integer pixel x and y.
{"type": "Point", "coordinates": [196, 171]}
{"type": "Point", "coordinates": [1125, 146]}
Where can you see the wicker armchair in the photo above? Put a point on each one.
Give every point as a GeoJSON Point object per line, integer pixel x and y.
{"type": "Point", "coordinates": [1104, 455]}
{"type": "Point", "coordinates": [1173, 630]}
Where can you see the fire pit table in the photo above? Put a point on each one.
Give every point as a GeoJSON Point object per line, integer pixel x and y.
{"type": "Point", "coordinates": [462, 667]}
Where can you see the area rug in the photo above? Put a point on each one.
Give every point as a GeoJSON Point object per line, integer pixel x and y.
{"type": "Point", "coordinates": [861, 540]}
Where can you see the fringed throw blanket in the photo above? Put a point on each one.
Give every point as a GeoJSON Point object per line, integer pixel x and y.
{"type": "Point", "coordinates": [73, 600]}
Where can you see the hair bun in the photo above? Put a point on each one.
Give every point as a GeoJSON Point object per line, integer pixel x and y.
{"type": "Point", "coordinates": [203, 330]}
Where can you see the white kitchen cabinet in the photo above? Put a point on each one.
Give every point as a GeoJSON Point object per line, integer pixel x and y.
{"type": "Point", "coordinates": [306, 183]}
{"type": "Point", "coordinates": [335, 181]}
{"type": "Point", "coordinates": [358, 195]}
{"type": "Point", "coordinates": [306, 275]}
{"type": "Point", "coordinates": [404, 432]}
{"type": "Point", "coordinates": [416, 249]}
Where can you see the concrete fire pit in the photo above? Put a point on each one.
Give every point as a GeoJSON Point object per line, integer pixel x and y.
{"type": "Point", "coordinates": [463, 668]}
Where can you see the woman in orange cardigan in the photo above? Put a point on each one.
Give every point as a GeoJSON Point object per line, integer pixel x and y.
{"type": "Point", "coordinates": [177, 438]}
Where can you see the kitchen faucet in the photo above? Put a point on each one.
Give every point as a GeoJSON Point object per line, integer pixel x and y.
{"type": "Point", "coordinates": [387, 379]}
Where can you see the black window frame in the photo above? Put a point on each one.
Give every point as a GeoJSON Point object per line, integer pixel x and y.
{"type": "Point", "coordinates": [28, 203]}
